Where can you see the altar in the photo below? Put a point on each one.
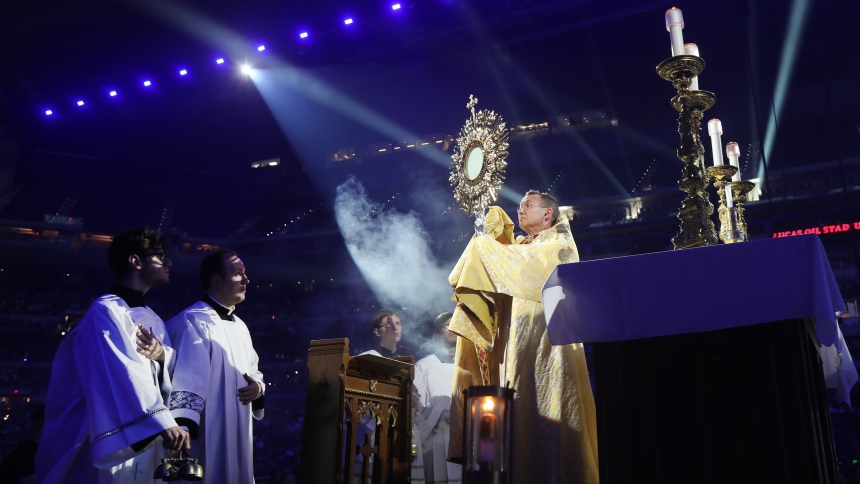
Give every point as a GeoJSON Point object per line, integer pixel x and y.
{"type": "Point", "coordinates": [710, 363]}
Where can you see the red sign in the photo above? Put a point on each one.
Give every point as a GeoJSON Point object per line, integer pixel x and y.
{"type": "Point", "coordinates": [827, 229]}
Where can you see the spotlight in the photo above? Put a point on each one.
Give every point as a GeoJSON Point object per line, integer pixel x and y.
{"type": "Point", "coordinates": [80, 103]}
{"type": "Point", "coordinates": [49, 112]}
{"type": "Point", "coordinates": [147, 83]}
{"type": "Point", "coordinates": [261, 48]}
{"type": "Point", "coordinates": [183, 72]}
{"type": "Point", "coordinates": [396, 6]}
{"type": "Point", "coordinates": [112, 93]}
{"type": "Point", "coordinates": [303, 35]}
{"type": "Point", "coordinates": [246, 69]}
{"type": "Point", "coordinates": [219, 61]}
{"type": "Point", "coordinates": [347, 21]}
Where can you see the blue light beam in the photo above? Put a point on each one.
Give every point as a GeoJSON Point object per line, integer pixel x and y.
{"type": "Point", "coordinates": [793, 36]}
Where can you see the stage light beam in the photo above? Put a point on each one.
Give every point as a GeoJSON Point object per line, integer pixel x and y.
{"type": "Point", "coordinates": [246, 69]}
{"type": "Point", "coordinates": [271, 83]}
{"type": "Point", "coordinates": [790, 48]}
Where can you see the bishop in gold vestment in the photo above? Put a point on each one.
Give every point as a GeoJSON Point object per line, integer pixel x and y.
{"type": "Point", "coordinates": [500, 318]}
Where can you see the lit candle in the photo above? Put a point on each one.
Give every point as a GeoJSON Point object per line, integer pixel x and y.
{"type": "Point", "coordinates": [487, 432]}
{"type": "Point", "coordinates": [733, 152]}
{"type": "Point", "coordinates": [675, 24]}
{"type": "Point", "coordinates": [692, 49]}
{"type": "Point", "coordinates": [715, 129]}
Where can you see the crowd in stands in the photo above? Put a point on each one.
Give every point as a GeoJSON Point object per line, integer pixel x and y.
{"type": "Point", "coordinates": [846, 429]}
{"type": "Point", "coordinates": [282, 321]}
{"type": "Point", "coordinates": [816, 186]}
{"type": "Point", "coordinates": [841, 261]}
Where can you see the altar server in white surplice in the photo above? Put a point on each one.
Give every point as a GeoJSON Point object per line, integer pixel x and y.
{"type": "Point", "coordinates": [434, 376]}
{"type": "Point", "coordinates": [105, 417]}
{"type": "Point", "coordinates": [387, 327]}
{"type": "Point", "coordinates": [217, 386]}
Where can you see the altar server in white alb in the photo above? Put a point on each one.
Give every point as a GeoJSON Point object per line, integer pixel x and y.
{"type": "Point", "coordinates": [106, 418]}
{"type": "Point", "coordinates": [217, 386]}
{"type": "Point", "coordinates": [434, 376]}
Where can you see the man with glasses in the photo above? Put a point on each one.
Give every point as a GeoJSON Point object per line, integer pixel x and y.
{"type": "Point", "coordinates": [387, 327]}
{"type": "Point", "coordinates": [110, 379]}
{"type": "Point", "coordinates": [500, 317]}
{"type": "Point", "coordinates": [434, 375]}
{"type": "Point", "coordinates": [217, 385]}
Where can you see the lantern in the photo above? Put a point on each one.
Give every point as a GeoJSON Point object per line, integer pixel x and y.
{"type": "Point", "coordinates": [487, 427]}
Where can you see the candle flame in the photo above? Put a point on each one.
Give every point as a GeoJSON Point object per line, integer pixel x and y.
{"type": "Point", "coordinates": [488, 404]}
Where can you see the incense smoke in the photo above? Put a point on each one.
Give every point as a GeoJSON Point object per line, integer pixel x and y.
{"type": "Point", "coordinates": [392, 251]}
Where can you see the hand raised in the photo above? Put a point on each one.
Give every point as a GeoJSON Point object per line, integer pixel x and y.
{"type": "Point", "coordinates": [249, 393]}
{"type": "Point", "coordinates": [148, 345]}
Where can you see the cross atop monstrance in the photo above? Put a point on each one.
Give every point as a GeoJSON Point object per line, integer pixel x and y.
{"type": "Point", "coordinates": [471, 104]}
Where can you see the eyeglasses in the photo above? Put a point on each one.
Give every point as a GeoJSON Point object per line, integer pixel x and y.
{"type": "Point", "coordinates": [526, 206]}
{"type": "Point", "coordinates": [160, 255]}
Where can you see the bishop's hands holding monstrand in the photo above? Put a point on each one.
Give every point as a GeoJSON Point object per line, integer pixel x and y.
{"type": "Point", "coordinates": [500, 225]}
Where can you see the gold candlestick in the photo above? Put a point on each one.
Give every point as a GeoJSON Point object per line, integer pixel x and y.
{"type": "Point", "coordinates": [697, 229]}
{"type": "Point", "coordinates": [739, 196]}
{"type": "Point", "coordinates": [730, 221]}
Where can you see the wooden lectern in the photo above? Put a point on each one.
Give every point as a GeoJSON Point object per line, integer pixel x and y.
{"type": "Point", "coordinates": [358, 418]}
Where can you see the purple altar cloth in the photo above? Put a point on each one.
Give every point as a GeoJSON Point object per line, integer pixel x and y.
{"type": "Point", "coordinates": [702, 289]}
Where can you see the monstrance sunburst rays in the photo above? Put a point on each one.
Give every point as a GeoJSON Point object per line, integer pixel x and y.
{"type": "Point", "coordinates": [486, 131]}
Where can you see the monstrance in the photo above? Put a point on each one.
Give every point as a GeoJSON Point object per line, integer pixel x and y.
{"type": "Point", "coordinates": [478, 163]}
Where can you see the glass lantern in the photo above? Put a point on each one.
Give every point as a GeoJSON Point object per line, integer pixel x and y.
{"type": "Point", "coordinates": [487, 442]}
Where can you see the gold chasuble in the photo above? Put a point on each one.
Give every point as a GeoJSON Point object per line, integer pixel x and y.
{"type": "Point", "coordinates": [500, 318]}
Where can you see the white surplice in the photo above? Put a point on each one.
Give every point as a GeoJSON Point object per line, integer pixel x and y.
{"type": "Point", "coordinates": [103, 397]}
{"type": "Point", "coordinates": [433, 381]}
{"type": "Point", "coordinates": [213, 356]}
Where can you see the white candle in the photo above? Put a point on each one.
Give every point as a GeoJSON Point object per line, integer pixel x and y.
{"type": "Point", "coordinates": [675, 24]}
{"type": "Point", "coordinates": [692, 49]}
{"type": "Point", "coordinates": [733, 152]}
{"type": "Point", "coordinates": [729, 202]}
{"type": "Point", "coordinates": [715, 129]}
